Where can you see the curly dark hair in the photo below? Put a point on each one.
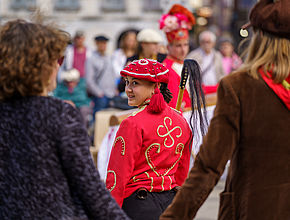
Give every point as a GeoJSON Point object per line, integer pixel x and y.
{"type": "Point", "coordinates": [27, 54]}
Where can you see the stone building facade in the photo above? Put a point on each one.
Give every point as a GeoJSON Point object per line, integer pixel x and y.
{"type": "Point", "coordinates": [109, 17]}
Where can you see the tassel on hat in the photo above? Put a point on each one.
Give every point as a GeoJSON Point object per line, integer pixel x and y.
{"type": "Point", "coordinates": [157, 103]}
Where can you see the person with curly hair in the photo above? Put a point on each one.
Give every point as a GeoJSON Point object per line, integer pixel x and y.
{"type": "Point", "coordinates": [46, 170]}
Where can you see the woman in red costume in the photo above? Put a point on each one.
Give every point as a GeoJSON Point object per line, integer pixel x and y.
{"type": "Point", "coordinates": [176, 24]}
{"type": "Point", "coordinates": [151, 153]}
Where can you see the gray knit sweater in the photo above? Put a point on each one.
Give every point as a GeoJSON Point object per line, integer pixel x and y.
{"type": "Point", "coordinates": [46, 170]}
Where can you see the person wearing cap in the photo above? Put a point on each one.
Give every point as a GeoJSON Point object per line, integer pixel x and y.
{"type": "Point", "coordinates": [250, 127]}
{"type": "Point", "coordinates": [71, 88]}
{"type": "Point", "coordinates": [76, 55]}
{"type": "Point", "coordinates": [151, 152]}
{"type": "Point", "coordinates": [148, 46]}
{"type": "Point", "coordinates": [231, 61]}
{"type": "Point", "coordinates": [176, 24]}
{"type": "Point", "coordinates": [101, 44]}
{"type": "Point", "coordinates": [100, 79]}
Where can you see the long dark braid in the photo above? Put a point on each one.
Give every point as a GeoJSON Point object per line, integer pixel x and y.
{"type": "Point", "coordinates": [167, 95]}
{"type": "Point", "coordinates": [198, 104]}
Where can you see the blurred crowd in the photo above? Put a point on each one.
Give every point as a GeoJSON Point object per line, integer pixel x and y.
{"type": "Point", "coordinates": [90, 77]}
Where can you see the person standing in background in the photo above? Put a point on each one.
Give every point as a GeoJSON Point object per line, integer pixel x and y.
{"type": "Point", "coordinates": [128, 47]}
{"type": "Point", "coordinates": [101, 80]}
{"type": "Point", "coordinates": [77, 54]}
{"type": "Point", "coordinates": [176, 24]}
{"type": "Point", "coordinates": [250, 127]}
{"type": "Point", "coordinates": [231, 61]}
{"type": "Point", "coordinates": [209, 59]}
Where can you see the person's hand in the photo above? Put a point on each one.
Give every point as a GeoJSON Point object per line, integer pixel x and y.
{"type": "Point", "coordinates": [70, 102]}
{"type": "Point", "coordinates": [182, 107]}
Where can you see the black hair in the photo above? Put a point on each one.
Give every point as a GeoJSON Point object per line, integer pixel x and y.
{"type": "Point", "coordinates": [198, 105]}
{"type": "Point", "coordinates": [167, 95]}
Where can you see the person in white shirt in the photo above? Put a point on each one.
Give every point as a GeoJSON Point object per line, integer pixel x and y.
{"type": "Point", "coordinates": [209, 59]}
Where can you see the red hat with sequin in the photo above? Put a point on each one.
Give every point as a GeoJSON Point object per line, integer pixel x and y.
{"type": "Point", "coordinates": [153, 71]}
{"type": "Point", "coordinates": [146, 69]}
{"type": "Point", "coordinates": [176, 23]}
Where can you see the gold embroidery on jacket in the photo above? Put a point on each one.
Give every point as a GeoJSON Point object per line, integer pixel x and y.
{"type": "Point", "coordinates": [148, 158]}
{"type": "Point", "coordinates": [162, 183]}
{"type": "Point", "coordinates": [139, 110]}
{"type": "Point", "coordinates": [178, 150]}
{"type": "Point", "coordinates": [168, 132]}
{"type": "Point", "coordinates": [135, 180]}
{"type": "Point", "coordinates": [151, 181]}
{"type": "Point", "coordinates": [170, 187]}
{"type": "Point", "coordinates": [123, 144]}
{"type": "Point", "coordinates": [115, 179]}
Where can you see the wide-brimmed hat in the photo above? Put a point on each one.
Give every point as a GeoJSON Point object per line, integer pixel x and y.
{"type": "Point", "coordinates": [272, 16]}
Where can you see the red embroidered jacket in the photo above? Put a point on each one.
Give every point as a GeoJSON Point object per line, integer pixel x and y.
{"type": "Point", "coordinates": [150, 151]}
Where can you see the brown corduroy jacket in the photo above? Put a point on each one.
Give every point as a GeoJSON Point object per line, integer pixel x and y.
{"type": "Point", "coordinates": [251, 127]}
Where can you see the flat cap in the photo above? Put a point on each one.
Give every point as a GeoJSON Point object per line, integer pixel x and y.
{"type": "Point", "coordinates": [101, 38]}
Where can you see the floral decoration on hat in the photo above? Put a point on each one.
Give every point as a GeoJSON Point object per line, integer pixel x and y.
{"type": "Point", "coordinates": [177, 23]}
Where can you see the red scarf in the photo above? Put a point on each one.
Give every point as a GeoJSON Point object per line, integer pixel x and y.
{"type": "Point", "coordinates": [282, 92]}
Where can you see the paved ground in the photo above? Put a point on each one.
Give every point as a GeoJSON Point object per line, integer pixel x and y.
{"type": "Point", "coordinates": [209, 209]}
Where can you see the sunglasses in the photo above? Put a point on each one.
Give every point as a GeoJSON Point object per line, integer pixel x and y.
{"type": "Point", "coordinates": [60, 61]}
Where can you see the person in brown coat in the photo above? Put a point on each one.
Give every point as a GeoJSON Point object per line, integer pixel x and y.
{"type": "Point", "coordinates": [251, 128]}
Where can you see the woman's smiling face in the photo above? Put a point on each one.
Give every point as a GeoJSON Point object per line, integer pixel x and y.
{"type": "Point", "coordinates": [138, 90]}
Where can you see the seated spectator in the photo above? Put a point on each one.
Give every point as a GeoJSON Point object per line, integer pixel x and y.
{"type": "Point", "coordinates": [73, 88]}
{"type": "Point", "coordinates": [231, 61]}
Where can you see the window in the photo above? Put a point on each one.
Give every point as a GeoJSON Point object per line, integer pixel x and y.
{"type": "Point", "coordinates": [113, 5]}
{"type": "Point", "coordinates": [151, 5]}
{"type": "Point", "coordinates": [23, 4]}
{"type": "Point", "coordinates": [70, 5]}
